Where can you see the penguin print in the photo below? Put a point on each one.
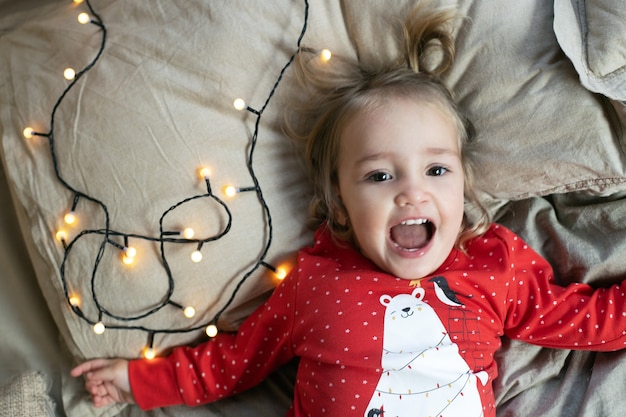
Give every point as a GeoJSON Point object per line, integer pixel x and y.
{"type": "Point", "coordinates": [444, 292]}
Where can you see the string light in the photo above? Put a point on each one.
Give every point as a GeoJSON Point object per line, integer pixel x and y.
{"type": "Point", "coordinates": [196, 256]}
{"type": "Point", "coordinates": [99, 328]}
{"type": "Point", "coordinates": [281, 273]}
{"type": "Point", "coordinates": [187, 235]}
{"type": "Point", "coordinates": [189, 312]}
{"type": "Point", "coordinates": [74, 301]}
{"type": "Point", "coordinates": [83, 18]}
{"type": "Point", "coordinates": [69, 74]}
{"type": "Point", "coordinates": [28, 132]}
{"type": "Point", "coordinates": [231, 191]}
{"type": "Point", "coordinates": [61, 236]}
{"type": "Point", "coordinates": [204, 172]}
{"type": "Point", "coordinates": [325, 55]}
{"type": "Point", "coordinates": [70, 218]}
{"type": "Point", "coordinates": [149, 352]}
{"type": "Point", "coordinates": [211, 330]}
{"type": "Point", "coordinates": [239, 104]}
{"type": "Point", "coordinates": [128, 255]}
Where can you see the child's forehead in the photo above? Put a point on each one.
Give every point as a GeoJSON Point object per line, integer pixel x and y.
{"type": "Point", "coordinates": [398, 127]}
{"type": "Point", "coordinates": [381, 104]}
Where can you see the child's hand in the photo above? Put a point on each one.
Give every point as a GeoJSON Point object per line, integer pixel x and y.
{"type": "Point", "coordinates": [106, 380]}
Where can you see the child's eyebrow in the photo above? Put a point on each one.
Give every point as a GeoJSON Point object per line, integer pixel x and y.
{"type": "Point", "coordinates": [372, 157]}
{"type": "Point", "coordinates": [442, 151]}
{"type": "Point", "coordinates": [429, 151]}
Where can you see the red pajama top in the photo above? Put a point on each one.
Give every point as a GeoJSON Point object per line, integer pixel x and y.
{"type": "Point", "coordinates": [372, 344]}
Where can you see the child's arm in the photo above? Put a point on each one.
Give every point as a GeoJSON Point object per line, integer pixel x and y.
{"type": "Point", "coordinates": [106, 380]}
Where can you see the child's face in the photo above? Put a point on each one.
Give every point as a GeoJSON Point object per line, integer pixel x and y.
{"type": "Point", "coordinates": [401, 182]}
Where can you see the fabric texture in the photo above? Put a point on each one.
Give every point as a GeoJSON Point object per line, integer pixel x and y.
{"type": "Point", "coordinates": [368, 341]}
{"type": "Point", "coordinates": [26, 396]}
{"type": "Point", "coordinates": [591, 32]}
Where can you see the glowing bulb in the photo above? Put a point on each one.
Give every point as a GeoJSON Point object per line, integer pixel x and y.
{"type": "Point", "coordinates": [98, 328]}
{"type": "Point", "coordinates": [74, 301]}
{"type": "Point", "coordinates": [239, 104]}
{"type": "Point", "coordinates": [189, 312]}
{"type": "Point", "coordinates": [28, 133]}
{"type": "Point", "coordinates": [149, 353]}
{"type": "Point", "coordinates": [325, 55]}
{"type": "Point", "coordinates": [61, 235]}
{"type": "Point", "coordinates": [69, 73]}
{"type": "Point", "coordinates": [230, 191]}
{"type": "Point", "coordinates": [83, 18]}
{"type": "Point", "coordinates": [196, 256]}
{"type": "Point", "coordinates": [188, 233]}
{"type": "Point", "coordinates": [70, 218]}
{"type": "Point", "coordinates": [78, 1]}
{"type": "Point", "coordinates": [205, 173]}
{"type": "Point", "coordinates": [129, 254]}
{"type": "Point", "coordinates": [211, 330]}
{"type": "Point", "coordinates": [281, 273]}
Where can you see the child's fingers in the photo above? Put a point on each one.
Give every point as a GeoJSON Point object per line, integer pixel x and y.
{"type": "Point", "coordinates": [89, 366]}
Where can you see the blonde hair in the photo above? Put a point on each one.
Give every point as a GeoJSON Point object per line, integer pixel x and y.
{"type": "Point", "coordinates": [333, 93]}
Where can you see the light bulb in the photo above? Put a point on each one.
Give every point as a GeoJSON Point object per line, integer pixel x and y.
{"type": "Point", "coordinates": [205, 173]}
{"type": "Point", "coordinates": [281, 273]}
{"type": "Point", "coordinates": [74, 301]}
{"type": "Point", "coordinates": [83, 18]}
{"type": "Point", "coordinates": [188, 233]}
{"type": "Point", "coordinates": [78, 1]}
{"type": "Point", "coordinates": [239, 104]}
{"type": "Point", "coordinates": [69, 73]}
{"type": "Point", "coordinates": [70, 218]}
{"type": "Point", "coordinates": [230, 191]}
{"type": "Point", "coordinates": [211, 330]}
{"type": "Point", "coordinates": [196, 256]}
{"type": "Point", "coordinates": [61, 235]}
{"type": "Point", "coordinates": [325, 55]}
{"type": "Point", "coordinates": [189, 312]}
{"type": "Point", "coordinates": [28, 132]}
{"type": "Point", "coordinates": [149, 353]}
{"type": "Point", "coordinates": [129, 254]}
{"type": "Point", "coordinates": [98, 328]}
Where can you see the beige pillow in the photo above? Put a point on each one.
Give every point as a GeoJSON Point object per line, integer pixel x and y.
{"type": "Point", "coordinates": [157, 105]}
{"type": "Point", "coordinates": [26, 395]}
{"type": "Point", "coordinates": [593, 35]}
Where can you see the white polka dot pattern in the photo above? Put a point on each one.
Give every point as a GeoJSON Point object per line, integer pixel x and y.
{"type": "Point", "coordinates": [328, 312]}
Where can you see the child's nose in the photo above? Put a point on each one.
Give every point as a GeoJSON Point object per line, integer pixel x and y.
{"type": "Point", "coordinates": [411, 194]}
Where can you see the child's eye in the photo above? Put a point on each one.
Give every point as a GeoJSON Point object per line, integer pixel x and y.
{"type": "Point", "coordinates": [379, 177]}
{"type": "Point", "coordinates": [437, 171]}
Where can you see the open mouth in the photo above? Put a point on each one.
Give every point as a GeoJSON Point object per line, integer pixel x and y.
{"type": "Point", "coordinates": [412, 235]}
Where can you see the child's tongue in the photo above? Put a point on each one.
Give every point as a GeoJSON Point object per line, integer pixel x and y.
{"type": "Point", "coordinates": [413, 236]}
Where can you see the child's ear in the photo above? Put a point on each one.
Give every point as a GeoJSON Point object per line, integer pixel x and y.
{"type": "Point", "coordinates": [341, 217]}
{"type": "Point", "coordinates": [339, 212]}
{"type": "Point", "coordinates": [337, 191]}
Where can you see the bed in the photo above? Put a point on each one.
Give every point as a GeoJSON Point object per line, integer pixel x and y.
{"type": "Point", "coordinates": [156, 127]}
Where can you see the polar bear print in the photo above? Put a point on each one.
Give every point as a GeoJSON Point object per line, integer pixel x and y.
{"type": "Point", "coordinates": [423, 372]}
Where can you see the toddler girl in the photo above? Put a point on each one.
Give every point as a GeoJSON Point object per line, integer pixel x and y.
{"type": "Point", "coordinates": [398, 307]}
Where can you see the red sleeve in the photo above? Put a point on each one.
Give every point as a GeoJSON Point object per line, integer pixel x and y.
{"type": "Point", "coordinates": [223, 366]}
{"type": "Point", "coordinates": [573, 317]}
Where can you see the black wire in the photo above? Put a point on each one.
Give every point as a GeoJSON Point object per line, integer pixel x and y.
{"type": "Point", "coordinates": [107, 234]}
